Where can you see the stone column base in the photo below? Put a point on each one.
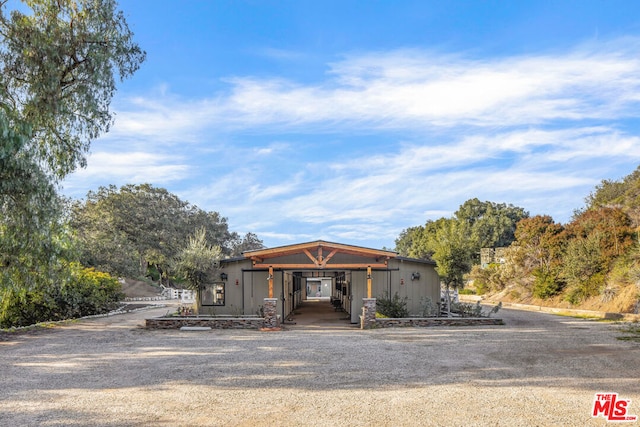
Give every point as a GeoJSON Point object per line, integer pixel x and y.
{"type": "Point", "coordinates": [271, 313]}
{"type": "Point", "coordinates": [368, 318]}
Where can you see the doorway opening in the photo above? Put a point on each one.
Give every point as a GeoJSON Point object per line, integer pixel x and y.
{"type": "Point", "coordinates": [320, 298]}
{"type": "Point", "coordinates": [320, 288]}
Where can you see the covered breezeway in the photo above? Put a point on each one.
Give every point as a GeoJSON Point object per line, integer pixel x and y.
{"type": "Point", "coordinates": [318, 313]}
{"type": "Point", "coordinates": [286, 279]}
{"type": "Point", "coordinates": [306, 296]}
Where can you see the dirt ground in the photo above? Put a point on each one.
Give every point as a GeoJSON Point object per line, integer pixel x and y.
{"type": "Point", "coordinates": [537, 369]}
{"type": "Point", "coordinates": [137, 289]}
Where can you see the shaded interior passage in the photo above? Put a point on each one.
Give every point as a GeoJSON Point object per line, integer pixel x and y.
{"type": "Point", "coordinates": [318, 313]}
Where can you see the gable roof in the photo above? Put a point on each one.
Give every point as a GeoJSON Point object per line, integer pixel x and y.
{"type": "Point", "coordinates": [319, 255]}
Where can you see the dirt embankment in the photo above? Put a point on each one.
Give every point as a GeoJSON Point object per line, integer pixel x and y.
{"type": "Point", "coordinates": [623, 299]}
{"type": "Point", "coordinates": [139, 289]}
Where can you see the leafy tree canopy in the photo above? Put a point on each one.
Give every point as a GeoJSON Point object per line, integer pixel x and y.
{"type": "Point", "coordinates": [451, 250]}
{"type": "Point", "coordinates": [623, 194]}
{"type": "Point", "coordinates": [58, 65]}
{"type": "Point", "coordinates": [542, 241]}
{"type": "Point", "coordinates": [197, 259]}
{"type": "Point", "coordinates": [59, 61]}
{"type": "Point", "coordinates": [124, 230]}
{"type": "Point", "coordinates": [455, 243]}
{"type": "Point", "coordinates": [492, 224]}
{"type": "Point", "coordinates": [249, 242]}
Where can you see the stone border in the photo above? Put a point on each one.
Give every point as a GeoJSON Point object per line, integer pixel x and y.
{"type": "Point", "coordinates": [271, 318]}
{"type": "Point", "coordinates": [270, 321]}
{"type": "Point", "coordinates": [368, 319]}
{"type": "Point", "coordinates": [205, 322]}
{"type": "Point", "coordinates": [258, 322]}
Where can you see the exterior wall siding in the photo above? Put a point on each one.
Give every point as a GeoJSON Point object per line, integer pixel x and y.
{"type": "Point", "coordinates": [233, 302]}
{"type": "Point", "coordinates": [247, 296]}
{"type": "Point", "coordinates": [398, 279]}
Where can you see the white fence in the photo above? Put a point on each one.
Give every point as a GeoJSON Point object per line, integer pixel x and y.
{"type": "Point", "coordinates": [186, 296]}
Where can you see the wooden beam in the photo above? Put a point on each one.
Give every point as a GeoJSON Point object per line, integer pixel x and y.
{"type": "Point", "coordinates": [326, 260]}
{"type": "Point", "coordinates": [369, 282]}
{"type": "Point", "coordinates": [316, 267]}
{"type": "Point", "coordinates": [293, 249]}
{"type": "Point", "coordinates": [311, 257]}
{"type": "Point", "coordinates": [270, 282]}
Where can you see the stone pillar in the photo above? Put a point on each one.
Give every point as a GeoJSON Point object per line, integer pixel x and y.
{"type": "Point", "coordinates": [368, 318]}
{"type": "Point", "coordinates": [271, 313]}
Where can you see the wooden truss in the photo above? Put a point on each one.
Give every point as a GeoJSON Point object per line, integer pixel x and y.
{"type": "Point", "coordinates": [319, 255]}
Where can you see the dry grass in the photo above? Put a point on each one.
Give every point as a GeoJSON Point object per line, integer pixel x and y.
{"type": "Point", "coordinates": [623, 301]}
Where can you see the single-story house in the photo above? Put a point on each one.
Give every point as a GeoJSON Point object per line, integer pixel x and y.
{"type": "Point", "coordinates": [345, 274]}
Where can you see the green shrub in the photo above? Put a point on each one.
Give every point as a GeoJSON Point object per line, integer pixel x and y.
{"type": "Point", "coordinates": [487, 279]}
{"type": "Point", "coordinates": [153, 273]}
{"type": "Point", "coordinates": [585, 289]}
{"type": "Point", "coordinates": [427, 307]}
{"type": "Point", "coordinates": [546, 285]}
{"type": "Point", "coordinates": [22, 307]}
{"type": "Point", "coordinates": [481, 288]}
{"type": "Point", "coordinates": [80, 292]}
{"type": "Point", "coordinates": [88, 292]}
{"type": "Point", "coordinates": [481, 279]}
{"type": "Point", "coordinates": [393, 307]}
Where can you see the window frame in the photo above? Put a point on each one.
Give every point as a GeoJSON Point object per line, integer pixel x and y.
{"type": "Point", "coordinates": [215, 301]}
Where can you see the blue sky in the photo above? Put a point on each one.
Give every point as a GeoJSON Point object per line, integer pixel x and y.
{"type": "Point", "coordinates": [350, 121]}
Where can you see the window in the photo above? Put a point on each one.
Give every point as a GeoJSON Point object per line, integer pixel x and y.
{"type": "Point", "coordinates": [212, 294]}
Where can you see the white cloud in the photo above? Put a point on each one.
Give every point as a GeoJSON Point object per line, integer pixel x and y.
{"type": "Point", "coordinates": [415, 180]}
{"type": "Point", "coordinates": [397, 90]}
{"type": "Point", "coordinates": [536, 131]}
{"type": "Point", "coordinates": [273, 148]}
{"type": "Point", "coordinates": [125, 167]}
{"type": "Point", "coordinates": [406, 90]}
{"type": "Point", "coordinates": [289, 237]}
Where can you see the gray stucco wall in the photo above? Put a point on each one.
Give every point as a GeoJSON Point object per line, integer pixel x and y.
{"type": "Point", "coordinates": [233, 304]}
{"type": "Point", "coordinates": [397, 279]}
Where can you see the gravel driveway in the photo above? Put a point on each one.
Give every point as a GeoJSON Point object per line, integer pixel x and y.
{"type": "Point", "coordinates": [537, 369]}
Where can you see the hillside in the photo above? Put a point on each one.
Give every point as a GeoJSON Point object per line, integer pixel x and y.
{"type": "Point", "coordinates": [139, 289]}
{"type": "Point", "coordinates": [623, 300]}
{"type": "Point", "coordinates": [591, 263]}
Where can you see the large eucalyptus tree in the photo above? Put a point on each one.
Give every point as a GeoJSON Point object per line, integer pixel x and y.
{"type": "Point", "coordinates": [59, 62]}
